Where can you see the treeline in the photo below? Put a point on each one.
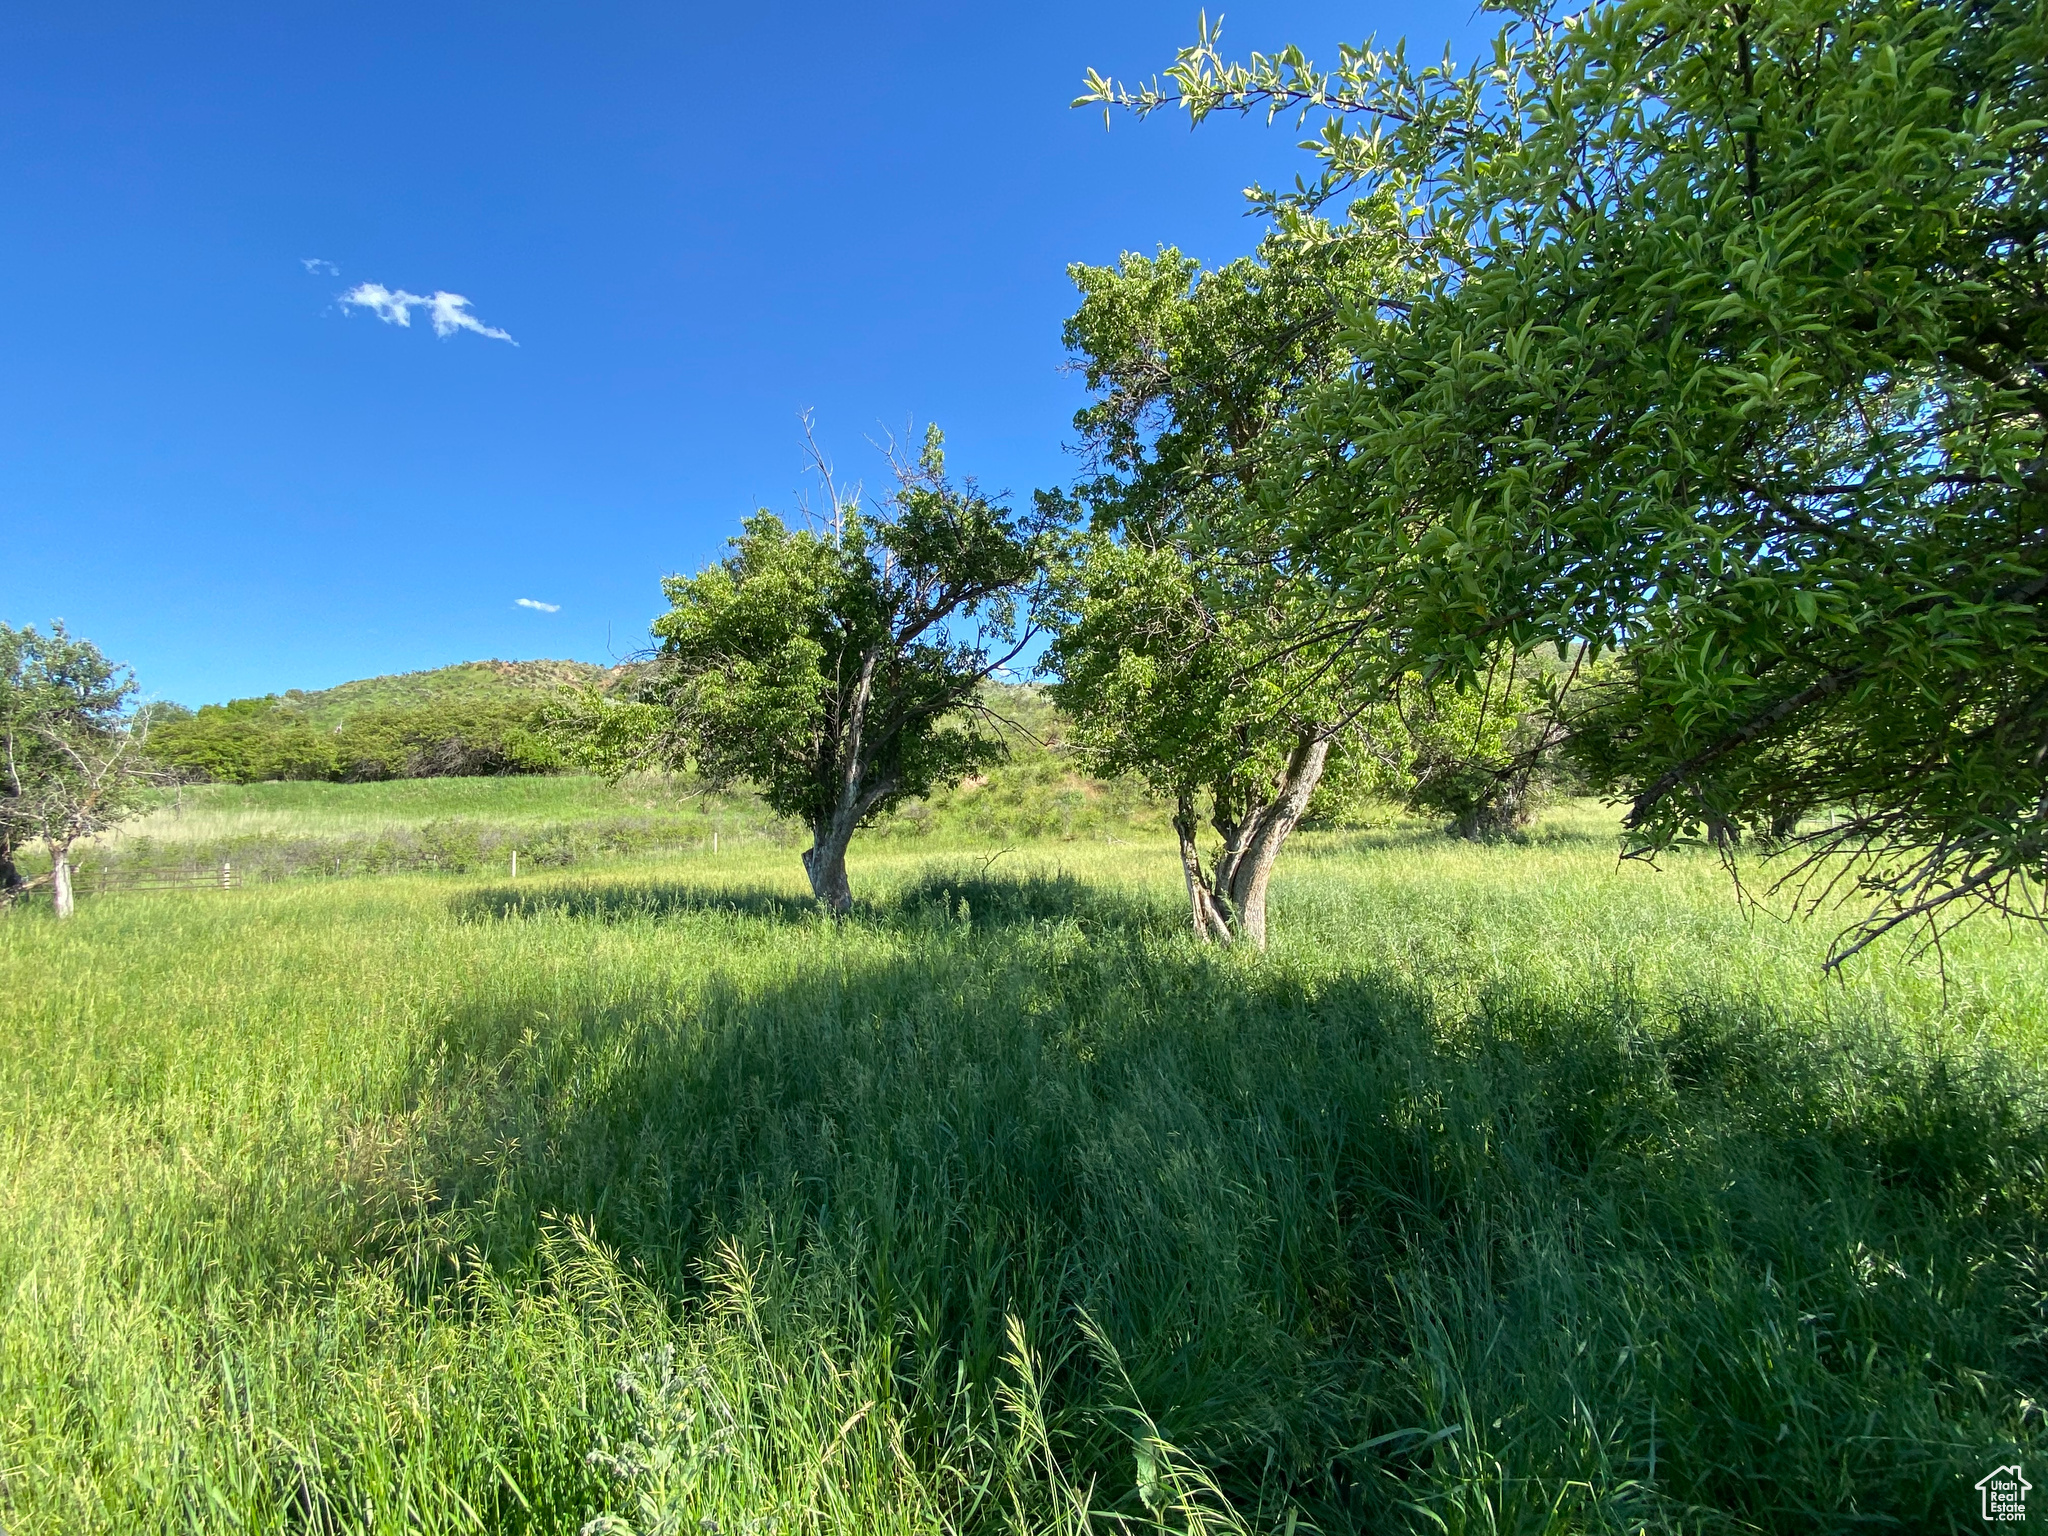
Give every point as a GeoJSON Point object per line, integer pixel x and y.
{"type": "Point", "coordinates": [248, 740]}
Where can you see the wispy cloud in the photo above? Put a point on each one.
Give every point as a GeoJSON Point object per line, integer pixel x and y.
{"type": "Point", "coordinates": [449, 312]}
{"type": "Point", "coordinates": [537, 605]}
{"type": "Point", "coordinates": [315, 264]}
{"type": "Point", "coordinates": [392, 307]}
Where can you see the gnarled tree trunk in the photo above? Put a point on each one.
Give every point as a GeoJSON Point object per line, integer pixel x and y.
{"type": "Point", "coordinates": [825, 863]}
{"type": "Point", "coordinates": [1229, 905]}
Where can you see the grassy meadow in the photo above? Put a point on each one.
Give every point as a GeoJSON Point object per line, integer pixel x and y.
{"type": "Point", "coordinates": [1515, 1190]}
{"type": "Point", "coordinates": [286, 830]}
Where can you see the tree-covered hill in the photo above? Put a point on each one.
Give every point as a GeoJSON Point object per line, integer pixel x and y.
{"type": "Point", "coordinates": [475, 718]}
{"type": "Point", "coordinates": [480, 717]}
{"type": "Point", "coordinates": [466, 684]}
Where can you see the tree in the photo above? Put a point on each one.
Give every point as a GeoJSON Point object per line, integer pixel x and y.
{"type": "Point", "coordinates": [1183, 650]}
{"type": "Point", "coordinates": [1479, 756]}
{"type": "Point", "coordinates": [839, 670]}
{"type": "Point", "coordinates": [70, 756]}
{"type": "Point", "coordinates": [1730, 353]}
{"type": "Point", "coordinates": [1163, 667]}
{"type": "Point", "coordinates": [1190, 647]}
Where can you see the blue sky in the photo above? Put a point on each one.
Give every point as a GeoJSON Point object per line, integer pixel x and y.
{"type": "Point", "coordinates": [693, 221]}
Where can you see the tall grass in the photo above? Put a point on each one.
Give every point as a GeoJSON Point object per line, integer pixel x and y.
{"type": "Point", "coordinates": [278, 829]}
{"type": "Point", "coordinates": [1514, 1191]}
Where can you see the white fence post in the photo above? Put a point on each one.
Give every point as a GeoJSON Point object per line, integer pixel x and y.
{"type": "Point", "coordinates": [515, 863]}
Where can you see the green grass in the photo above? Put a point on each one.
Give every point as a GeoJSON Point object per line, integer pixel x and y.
{"type": "Point", "coordinates": [1515, 1190]}
{"type": "Point", "coordinates": [214, 813]}
{"type": "Point", "coordinates": [285, 828]}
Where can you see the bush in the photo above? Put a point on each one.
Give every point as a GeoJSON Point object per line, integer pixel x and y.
{"type": "Point", "coordinates": [251, 740]}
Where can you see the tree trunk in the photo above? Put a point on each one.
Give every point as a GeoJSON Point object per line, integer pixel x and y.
{"type": "Point", "coordinates": [1229, 907]}
{"type": "Point", "coordinates": [1209, 923]}
{"type": "Point", "coordinates": [60, 883]}
{"type": "Point", "coordinates": [1243, 883]}
{"type": "Point", "coordinates": [10, 877]}
{"type": "Point", "coordinates": [825, 863]}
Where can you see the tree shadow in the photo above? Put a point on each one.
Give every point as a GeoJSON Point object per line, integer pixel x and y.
{"type": "Point", "coordinates": [631, 901]}
{"type": "Point", "coordinates": [938, 897]}
{"type": "Point", "coordinates": [1309, 1212]}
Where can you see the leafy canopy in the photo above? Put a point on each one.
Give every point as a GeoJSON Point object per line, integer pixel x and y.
{"type": "Point", "coordinates": [1730, 350]}
{"type": "Point", "coordinates": [1182, 649]}
{"type": "Point", "coordinates": [837, 669]}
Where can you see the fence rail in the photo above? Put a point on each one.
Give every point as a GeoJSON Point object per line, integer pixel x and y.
{"type": "Point", "coordinates": [98, 882]}
{"type": "Point", "coordinates": [105, 880]}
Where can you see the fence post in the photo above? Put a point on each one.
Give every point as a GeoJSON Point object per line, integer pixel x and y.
{"type": "Point", "coordinates": [515, 863]}
{"type": "Point", "coordinates": [225, 881]}
{"type": "Point", "coordinates": [60, 884]}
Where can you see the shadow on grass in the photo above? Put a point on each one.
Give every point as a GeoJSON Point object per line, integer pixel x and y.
{"type": "Point", "coordinates": [632, 901]}
{"type": "Point", "coordinates": [965, 896]}
{"type": "Point", "coordinates": [1725, 1269]}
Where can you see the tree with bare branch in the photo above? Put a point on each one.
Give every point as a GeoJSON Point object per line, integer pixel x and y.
{"type": "Point", "coordinates": [839, 667]}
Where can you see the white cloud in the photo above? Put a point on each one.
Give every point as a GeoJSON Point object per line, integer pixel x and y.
{"type": "Point", "coordinates": [537, 605]}
{"type": "Point", "coordinates": [394, 306]}
{"type": "Point", "coordinates": [451, 314]}
{"type": "Point", "coordinates": [315, 264]}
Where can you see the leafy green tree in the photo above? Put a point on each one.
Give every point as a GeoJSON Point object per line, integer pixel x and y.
{"type": "Point", "coordinates": [1479, 756]}
{"type": "Point", "coordinates": [70, 759]}
{"type": "Point", "coordinates": [839, 670]}
{"type": "Point", "coordinates": [1729, 351]}
{"type": "Point", "coordinates": [1193, 649]}
{"type": "Point", "coordinates": [245, 741]}
{"type": "Point", "coordinates": [607, 731]}
{"type": "Point", "coordinates": [1183, 650]}
{"type": "Point", "coordinates": [1164, 667]}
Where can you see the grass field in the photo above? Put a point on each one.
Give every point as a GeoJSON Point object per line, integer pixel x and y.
{"type": "Point", "coordinates": [1515, 1190]}
{"type": "Point", "coordinates": [532, 809]}
{"type": "Point", "coordinates": [288, 829]}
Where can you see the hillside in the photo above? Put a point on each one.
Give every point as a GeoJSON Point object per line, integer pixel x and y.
{"type": "Point", "coordinates": [476, 718]}
{"type": "Point", "coordinates": [514, 683]}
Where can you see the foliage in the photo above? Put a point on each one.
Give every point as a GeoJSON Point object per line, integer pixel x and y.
{"type": "Point", "coordinates": [389, 1204]}
{"type": "Point", "coordinates": [1182, 652]}
{"type": "Point", "coordinates": [479, 718]}
{"type": "Point", "coordinates": [69, 764]}
{"type": "Point", "coordinates": [1731, 353]}
{"type": "Point", "coordinates": [1157, 661]}
{"type": "Point", "coordinates": [251, 740]}
{"type": "Point", "coordinates": [1478, 755]}
{"type": "Point", "coordinates": [604, 732]}
{"type": "Point", "coordinates": [840, 671]}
